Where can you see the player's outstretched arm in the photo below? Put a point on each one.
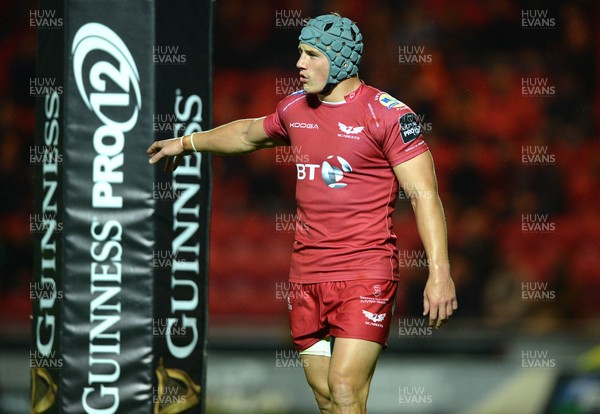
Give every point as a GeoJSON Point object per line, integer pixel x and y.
{"type": "Point", "coordinates": [235, 138]}
{"type": "Point", "coordinates": [417, 178]}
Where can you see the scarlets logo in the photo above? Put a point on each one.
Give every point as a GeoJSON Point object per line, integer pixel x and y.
{"type": "Point", "coordinates": [376, 318]}
{"type": "Point", "coordinates": [350, 129]}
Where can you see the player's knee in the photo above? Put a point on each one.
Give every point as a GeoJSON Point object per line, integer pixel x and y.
{"type": "Point", "coordinates": [321, 392]}
{"type": "Point", "coordinates": [345, 391]}
{"type": "Point", "coordinates": [323, 402]}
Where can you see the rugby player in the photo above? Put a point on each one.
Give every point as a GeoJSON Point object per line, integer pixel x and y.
{"type": "Point", "coordinates": [361, 145]}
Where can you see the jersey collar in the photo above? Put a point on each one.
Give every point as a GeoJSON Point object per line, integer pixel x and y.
{"type": "Point", "coordinates": [348, 98]}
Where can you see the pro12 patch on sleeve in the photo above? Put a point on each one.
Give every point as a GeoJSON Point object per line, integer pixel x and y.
{"type": "Point", "coordinates": [410, 128]}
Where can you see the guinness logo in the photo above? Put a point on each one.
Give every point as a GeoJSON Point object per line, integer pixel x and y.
{"type": "Point", "coordinates": [43, 390]}
{"type": "Point", "coordinates": [176, 393]}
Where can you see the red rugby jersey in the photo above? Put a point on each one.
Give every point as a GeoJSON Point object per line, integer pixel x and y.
{"type": "Point", "coordinates": [346, 188]}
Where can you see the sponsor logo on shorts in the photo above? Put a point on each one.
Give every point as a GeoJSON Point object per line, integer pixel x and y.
{"type": "Point", "coordinates": [374, 319]}
{"type": "Point", "coordinates": [376, 290]}
{"type": "Point", "coordinates": [369, 299]}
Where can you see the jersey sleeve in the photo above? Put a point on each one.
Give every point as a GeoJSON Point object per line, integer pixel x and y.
{"type": "Point", "coordinates": [274, 125]}
{"type": "Point", "coordinates": [403, 138]}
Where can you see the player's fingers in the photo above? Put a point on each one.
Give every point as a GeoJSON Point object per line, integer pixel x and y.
{"type": "Point", "coordinates": [152, 149]}
{"type": "Point", "coordinates": [425, 305]}
{"type": "Point", "coordinates": [155, 158]}
{"type": "Point", "coordinates": [168, 164]}
{"type": "Point", "coordinates": [177, 161]}
{"type": "Point", "coordinates": [156, 152]}
{"type": "Point", "coordinates": [433, 315]}
{"type": "Point", "coordinates": [441, 315]}
{"type": "Point", "coordinates": [449, 310]}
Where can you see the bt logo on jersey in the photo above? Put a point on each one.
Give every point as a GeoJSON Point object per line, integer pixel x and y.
{"type": "Point", "coordinates": [331, 174]}
{"type": "Point", "coordinates": [306, 169]}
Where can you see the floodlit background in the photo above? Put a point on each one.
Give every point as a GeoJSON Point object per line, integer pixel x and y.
{"type": "Point", "coordinates": [507, 92]}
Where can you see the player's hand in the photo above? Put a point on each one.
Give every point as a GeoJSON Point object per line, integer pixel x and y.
{"type": "Point", "coordinates": [170, 148]}
{"type": "Point", "coordinates": [439, 300]}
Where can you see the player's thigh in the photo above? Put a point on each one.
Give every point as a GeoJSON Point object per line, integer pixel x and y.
{"type": "Point", "coordinates": [353, 362]}
{"type": "Point", "coordinates": [316, 369]}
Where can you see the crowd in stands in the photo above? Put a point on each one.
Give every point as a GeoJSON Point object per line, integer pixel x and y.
{"type": "Point", "coordinates": [508, 102]}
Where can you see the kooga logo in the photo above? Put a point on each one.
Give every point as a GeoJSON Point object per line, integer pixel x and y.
{"type": "Point", "coordinates": [303, 125]}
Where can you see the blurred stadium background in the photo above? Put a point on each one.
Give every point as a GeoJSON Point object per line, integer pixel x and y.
{"type": "Point", "coordinates": [508, 93]}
